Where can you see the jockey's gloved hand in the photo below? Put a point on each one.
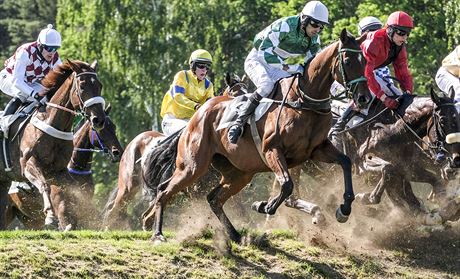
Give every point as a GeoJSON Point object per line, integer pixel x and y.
{"type": "Point", "coordinates": [389, 102]}
{"type": "Point", "coordinates": [408, 92]}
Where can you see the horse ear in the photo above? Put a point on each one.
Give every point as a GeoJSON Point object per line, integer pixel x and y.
{"type": "Point", "coordinates": [362, 38]}
{"type": "Point", "coordinates": [434, 96]}
{"type": "Point", "coordinates": [108, 108]}
{"type": "Point", "coordinates": [94, 65]}
{"type": "Point", "coordinates": [228, 79]}
{"type": "Point", "coordinates": [243, 79]}
{"type": "Point", "coordinates": [451, 93]}
{"type": "Point", "coordinates": [72, 65]}
{"type": "Point", "coordinates": [344, 35]}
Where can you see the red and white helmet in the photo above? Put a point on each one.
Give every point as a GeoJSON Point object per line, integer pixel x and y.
{"type": "Point", "coordinates": [400, 20]}
{"type": "Point", "coordinates": [49, 37]}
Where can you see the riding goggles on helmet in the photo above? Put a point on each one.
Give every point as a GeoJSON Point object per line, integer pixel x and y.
{"type": "Point", "coordinates": [402, 32]}
{"type": "Point", "coordinates": [316, 24]}
{"type": "Point", "coordinates": [203, 66]}
{"type": "Point", "coordinates": [50, 48]}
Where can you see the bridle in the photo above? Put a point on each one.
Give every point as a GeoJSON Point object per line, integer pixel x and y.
{"type": "Point", "coordinates": [350, 85]}
{"type": "Point", "coordinates": [78, 91]}
{"type": "Point", "coordinates": [94, 138]}
{"type": "Point", "coordinates": [231, 89]}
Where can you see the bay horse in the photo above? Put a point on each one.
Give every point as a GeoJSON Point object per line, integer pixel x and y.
{"type": "Point", "coordinates": [41, 151]}
{"type": "Point", "coordinates": [288, 139]}
{"type": "Point", "coordinates": [73, 203]}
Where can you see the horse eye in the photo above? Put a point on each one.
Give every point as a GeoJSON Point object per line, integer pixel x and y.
{"type": "Point", "coordinates": [346, 61]}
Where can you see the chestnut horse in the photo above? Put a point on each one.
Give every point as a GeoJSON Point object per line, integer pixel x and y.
{"type": "Point", "coordinates": [288, 139]}
{"type": "Point", "coordinates": [41, 151]}
{"type": "Point", "coordinates": [72, 203]}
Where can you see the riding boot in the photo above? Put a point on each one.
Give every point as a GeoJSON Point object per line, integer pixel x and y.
{"type": "Point", "coordinates": [334, 133]}
{"type": "Point", "coordinates": [12, 106]}
{"type": "Point", "coordinates": [236, 130]}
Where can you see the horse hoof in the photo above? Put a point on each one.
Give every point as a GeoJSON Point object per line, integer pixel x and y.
{"type": "Point", "coordinates": [158, 239]}
{"type": "Point", "coordinates": [363, 198]}
{"type": "Point", "coordinates": [51, 223]}
{"type": "Point", "coordinates": [67, 228]}
{"type": "Point", "coordinates": [318, 219]}
{"type": "Point", "coordinates": [341, 218]}
{"type": "Point", "coordinates": [259, 206]}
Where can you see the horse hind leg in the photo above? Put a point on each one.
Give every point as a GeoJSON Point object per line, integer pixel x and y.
{"type": "Point", "coordinates": [183, 177]}
{"type": "Point", "coordinates": [231, 183]}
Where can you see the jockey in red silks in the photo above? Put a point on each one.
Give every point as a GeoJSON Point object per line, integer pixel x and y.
{"type": "Point", "coordinates": [381, 48]}
{"type": "Point", "coordinates": [387, 46]}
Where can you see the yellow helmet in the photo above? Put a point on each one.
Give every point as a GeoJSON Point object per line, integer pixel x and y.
{"type": "Point", "coordinates": [200, 56]}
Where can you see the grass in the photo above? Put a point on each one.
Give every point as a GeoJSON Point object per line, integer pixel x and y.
{"type": "Point", "coordinates": [277, 254]}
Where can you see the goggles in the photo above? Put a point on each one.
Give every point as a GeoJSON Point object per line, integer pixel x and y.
{"type": "Point", "coordinates": [50, 48]}
{"type": "Point", "coordinates": [401, 33]}
{"type": "Point", "coordinates": [203, 66]}
{"type": "Point", "coordinates": [316, 24]}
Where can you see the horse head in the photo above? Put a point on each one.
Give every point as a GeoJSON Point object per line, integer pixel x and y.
{"type": "Point", "coordinates": [107, 140]}
{"type": "Point", "coordinates": [445, 131]}
{"type": "Point", "coordinates": [234, 85]}
{"type": "Point", "coordinates": [86, 92]}
{"type": "Point", "coordinates": [348, 68]}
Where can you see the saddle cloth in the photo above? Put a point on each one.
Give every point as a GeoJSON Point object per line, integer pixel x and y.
{"type": "Point", "coordinates": [6, 121]}
{"type": "Point", "coordinates": [231, 112]}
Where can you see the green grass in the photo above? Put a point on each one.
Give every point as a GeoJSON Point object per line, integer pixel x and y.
{"type": "Point", "coordinates": [277, 254]}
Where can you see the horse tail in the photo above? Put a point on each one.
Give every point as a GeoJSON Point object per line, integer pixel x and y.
{"type": "Point", "coordinates": [110, 201]}
{"type": "Point", "coordinates": [159, 164]}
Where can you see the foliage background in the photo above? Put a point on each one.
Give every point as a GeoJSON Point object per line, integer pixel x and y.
{"type": "Point", "coordinates": [141, 44]}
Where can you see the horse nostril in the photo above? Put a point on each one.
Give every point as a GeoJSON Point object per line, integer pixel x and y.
{"type": "Point", "coordinates": [456, 161]}
{"type": "Point", "coordinates": [116, 152]}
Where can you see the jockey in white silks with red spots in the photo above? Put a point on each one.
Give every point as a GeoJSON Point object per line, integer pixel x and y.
{"type": "Point", "coordinates": [285, 39]}
{"type": "Point", "coordinates": [25, 70]}
{"type": "Point", "coordinates": [189, 90]}
{"type": "Point", "coordinates": [448, 75]}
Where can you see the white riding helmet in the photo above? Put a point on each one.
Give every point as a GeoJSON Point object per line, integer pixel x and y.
{"type": "Point", "coordinates": [369, 23]}
{"type": "Point", "coordinates": [317, 11]}
{"type": "Point", "coordinates": [49, 37]}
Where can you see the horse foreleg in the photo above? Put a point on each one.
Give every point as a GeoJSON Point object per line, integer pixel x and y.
{"type": "Point", "coordinates": [33, 172]}
{"type": "Point", "coordinates": [277, 163]}
{"type": "Point", "coordinates": [327, 153]}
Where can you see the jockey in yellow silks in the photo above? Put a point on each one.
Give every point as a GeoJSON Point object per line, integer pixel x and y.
{"type": "Point", "coordinates": [189, 90]}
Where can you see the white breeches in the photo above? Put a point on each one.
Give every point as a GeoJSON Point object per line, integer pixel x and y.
{"type": "Point", "coordinates": [446, 80]}
{"type": "Point", "coordinates": [8, 88]}
{"type": "Point", "coordinates": [261, 74]}
{"type": "Point", "coordinates": [171, 124]}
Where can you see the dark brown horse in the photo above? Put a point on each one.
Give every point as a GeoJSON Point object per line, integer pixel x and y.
{"type": "Point", "coordinates": [404, 151]}
{"type": "Point", "coordinates": [73, 203]}
{"type": "Point", "coordinates": [288, 139]}
{"type": "Point", "coordinates": [41, 151]}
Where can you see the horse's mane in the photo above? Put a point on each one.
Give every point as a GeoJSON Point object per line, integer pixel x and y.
{"type": "Point", "coordinates": [56, 77]}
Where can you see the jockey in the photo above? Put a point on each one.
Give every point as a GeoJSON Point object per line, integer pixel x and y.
{"type": "Point", "coordinates": [387, 46]}
{"type": "Point", "coordinates": [28, 66]}
{"type": "Point", "coordinates": [285, 39]}
{"type": "Point", "coordinates": [382, 74]}
{"type": "Point", "coordinates": [189, 90]}
{"type": "Point", "coordinates": [448, 75]}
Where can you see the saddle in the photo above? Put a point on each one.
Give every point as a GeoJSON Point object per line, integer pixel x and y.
{"type": "Point", "coordinates": [231, 112]}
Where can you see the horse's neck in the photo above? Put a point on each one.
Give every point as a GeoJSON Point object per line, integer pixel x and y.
{"type": "Point", "coordinates": [58, 118]}
{"type": "Point", "coordinates": [318, 77]}
{"type": "Point", "coordinates": [82, 159]}
{"type": "Point", "coordinates": [419, 114]}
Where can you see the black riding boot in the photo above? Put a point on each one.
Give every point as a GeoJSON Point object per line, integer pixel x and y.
{"type": "Point", "coordinates": [236, 130]}
{"type": "Point", "coordinates": [334, 136]}
{"type": "Point", "coordinates": [12, 106]}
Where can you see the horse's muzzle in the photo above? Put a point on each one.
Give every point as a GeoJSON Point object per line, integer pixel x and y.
{"type": "Point", "coordinates": [362, 101]}
{"type": "Point", "coordinates": [116, 155]}
{"type": "Point", "coordinates": [455, 162]}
